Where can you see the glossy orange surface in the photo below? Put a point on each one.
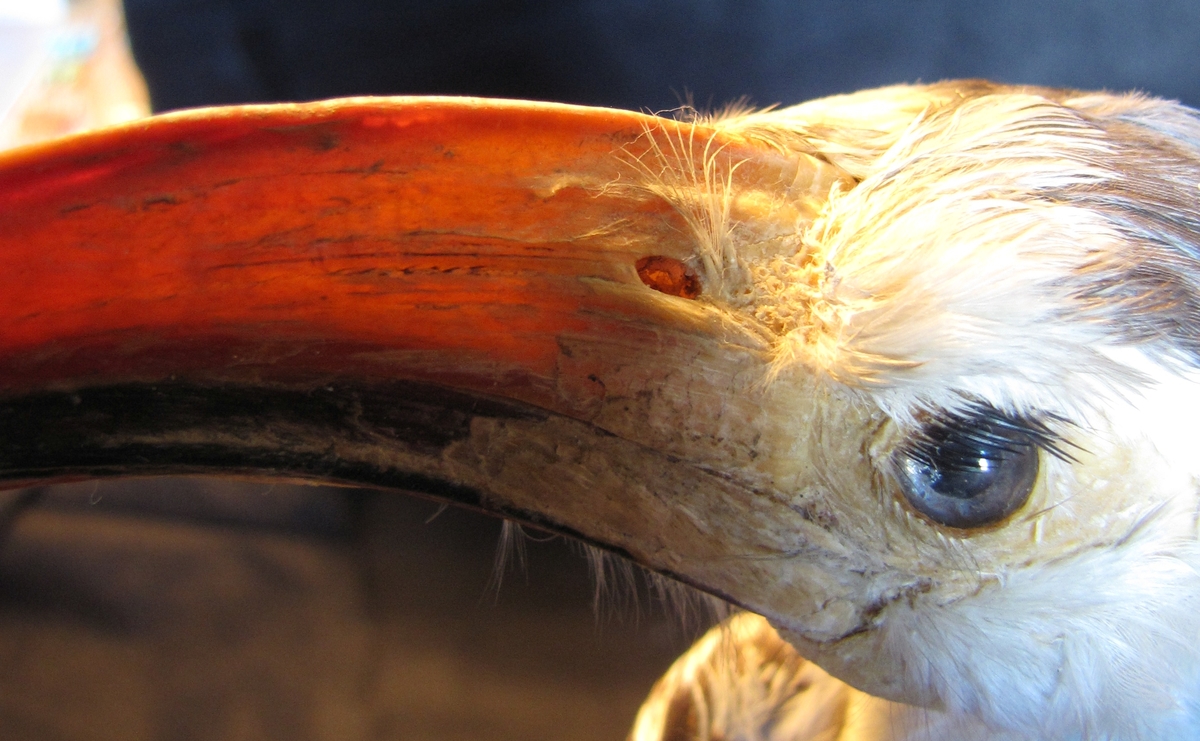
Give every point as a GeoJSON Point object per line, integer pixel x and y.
{"type": "Point", "coordinates": [439, 239]}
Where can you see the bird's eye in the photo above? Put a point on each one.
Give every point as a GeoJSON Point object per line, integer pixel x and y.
{"type": "Point", "coordinates": [970, 471]}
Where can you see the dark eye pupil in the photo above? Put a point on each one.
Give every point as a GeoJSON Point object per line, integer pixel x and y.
{"type": "Point", "coordinates": [968, 472]}
{"type": "Point", "coordinates": [965, 470]}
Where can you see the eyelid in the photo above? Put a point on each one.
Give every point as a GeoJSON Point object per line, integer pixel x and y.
{"type": "Point", "coordinates": [1043, 431]}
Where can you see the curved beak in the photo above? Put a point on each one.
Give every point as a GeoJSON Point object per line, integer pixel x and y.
{"type": "Point", "coordinates": [448, 296]}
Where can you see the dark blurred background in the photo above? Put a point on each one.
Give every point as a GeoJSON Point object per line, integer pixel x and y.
{"type": "Point", "coordinates": [196, 609]}
{"type": "Point", "coordinates": [647, 53]}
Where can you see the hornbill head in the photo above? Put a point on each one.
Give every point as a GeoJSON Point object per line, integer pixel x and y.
{"type": "Point", "coordinates": [911, 373]}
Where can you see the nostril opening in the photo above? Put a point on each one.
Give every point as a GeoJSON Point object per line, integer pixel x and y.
{"type": "Point", "coordinates": [668, 275]}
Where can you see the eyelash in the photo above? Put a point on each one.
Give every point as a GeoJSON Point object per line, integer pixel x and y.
{"type": "Point", "coordinates": [1033, 430]}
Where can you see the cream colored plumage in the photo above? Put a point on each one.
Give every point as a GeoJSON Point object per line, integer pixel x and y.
{"type": "Point", "coordinates": [1029, 252]}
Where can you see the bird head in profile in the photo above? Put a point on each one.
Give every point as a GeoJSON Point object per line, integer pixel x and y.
{"type": "Point", "coordinates": [910, 372]}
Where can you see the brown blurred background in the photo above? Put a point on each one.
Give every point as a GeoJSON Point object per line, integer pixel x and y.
{"type": "Point", "coordinates": [202, 609]}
